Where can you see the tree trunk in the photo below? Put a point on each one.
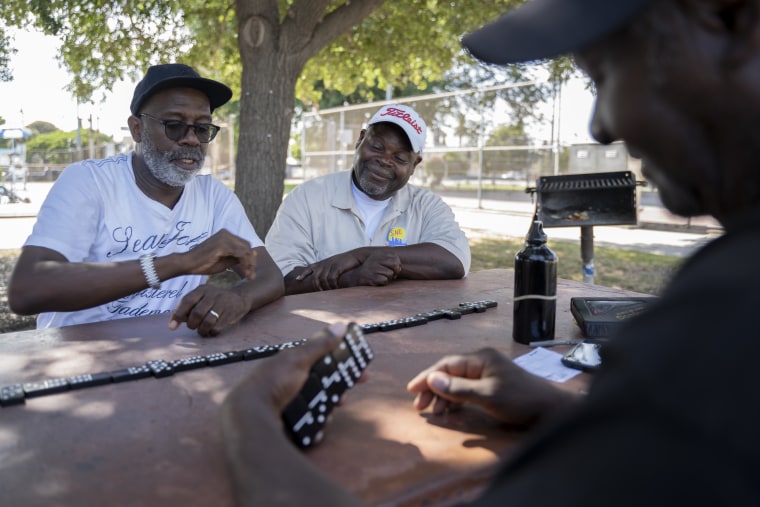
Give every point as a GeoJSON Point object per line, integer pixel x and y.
{"type": "Point", "coordinates": [273, 52]}
{"type": "Point", "coordinates": [266, 110]}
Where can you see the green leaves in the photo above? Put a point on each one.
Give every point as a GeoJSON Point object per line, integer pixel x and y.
{"type": "Point", "coordinates": [403, 43]}
{"type": "Point", "coordinates": [103, 42]}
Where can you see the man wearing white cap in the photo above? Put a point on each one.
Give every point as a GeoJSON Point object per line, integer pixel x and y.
{"type": "Point", "coordinates": [672, 416]}
{"type": "Point", "coordinates": [367, 226]}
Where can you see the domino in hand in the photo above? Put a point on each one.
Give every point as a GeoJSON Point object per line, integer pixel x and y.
{"type": "Point", "coordinates": [328, 379]}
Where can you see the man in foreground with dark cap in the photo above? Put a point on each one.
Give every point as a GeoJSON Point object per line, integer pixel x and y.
{"type": "Point", "coordinates": [137, 234]}
{"type": "Point", "coordinates": [671, 417]}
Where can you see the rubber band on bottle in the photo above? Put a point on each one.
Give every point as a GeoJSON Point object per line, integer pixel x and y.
{"type": "Point", "coordinates": [535, 296]}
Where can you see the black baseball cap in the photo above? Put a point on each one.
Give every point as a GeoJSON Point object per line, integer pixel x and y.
{"type": "Point", "coordinates": [178, 75]}
{"type": "Point", "coordinates": [547, 28]}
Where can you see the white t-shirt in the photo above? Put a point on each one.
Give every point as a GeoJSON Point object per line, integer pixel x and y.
{"type": "Point", "coordinates": [96, 213]}
{"type": "Point", "coordinates": [370, 210]}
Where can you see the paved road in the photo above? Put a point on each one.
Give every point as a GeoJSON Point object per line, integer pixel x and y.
{"type": "Point", "coordinates": [657, 232]}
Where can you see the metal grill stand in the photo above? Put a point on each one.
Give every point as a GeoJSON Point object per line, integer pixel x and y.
{"type": "Point", "coordinates": [587, 253]}
{"type": "Point", "coordinates": [586, 200]}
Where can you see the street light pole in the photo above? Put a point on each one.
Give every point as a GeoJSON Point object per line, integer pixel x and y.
{"type": "Point", "coordinates": [556, 116]}
{"type": "Point", "coordinates": [79, 134]}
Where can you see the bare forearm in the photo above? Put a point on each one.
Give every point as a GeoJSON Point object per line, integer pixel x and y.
{"type": "Point", "coordinates": [551, 402]}
{"type": "Point", "coordinates": [424, 261]}
{"type": "Point", "coordinates": [375, 266]}
{"type": "Point", "coordinates": [66, 286]}
{"type": "Point", "coordinates": [428, 261]}
{"type": "Point", "coordinates": [263, 463]}
{"type": "Point", "coordinates": [293, 285]}
{"type": "Point", "coordinates": [267, 286]}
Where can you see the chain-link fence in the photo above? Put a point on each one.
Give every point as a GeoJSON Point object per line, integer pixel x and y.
{"type": "Point", "coordinates": [488, 135]}
{"type": "Point", "coordinates": [488, 138]}
{"type": "Point", "coordinates": [46, 163]}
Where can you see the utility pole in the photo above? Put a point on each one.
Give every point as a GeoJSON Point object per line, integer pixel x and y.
{"type": "Point", "coordinates": [91, 140]}
{"type": "Point", "coordinates": [556, 108]}
{"type": "Point", "coordinates": [79, 134]}
{"type": "Point", "coordinates": [559, 118]}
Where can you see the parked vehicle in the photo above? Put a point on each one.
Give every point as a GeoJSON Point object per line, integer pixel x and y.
{"type": "Point", "coordinates": [8, 196]}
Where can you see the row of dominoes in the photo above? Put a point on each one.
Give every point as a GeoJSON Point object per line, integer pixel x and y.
{"type": "Point", "coordinates": [16, 394]}
{"type": "Point", "coordinates": [425, 317]}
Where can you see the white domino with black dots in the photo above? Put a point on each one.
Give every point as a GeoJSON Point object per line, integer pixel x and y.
{"type": "Point", "coordinates": [328, 379]}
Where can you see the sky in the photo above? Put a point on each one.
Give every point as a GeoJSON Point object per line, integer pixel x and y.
{"type": "Point", "coordinates": [38, 90]}
{"type": "Point", "coordinates": [37, 94]}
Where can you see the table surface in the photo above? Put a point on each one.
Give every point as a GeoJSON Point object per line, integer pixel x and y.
{"type": "Point", "coordinates": [152, 440]}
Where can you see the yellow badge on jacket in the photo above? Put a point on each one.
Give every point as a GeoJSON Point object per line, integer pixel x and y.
{"type": "Point", "coordinates": [396, 237]}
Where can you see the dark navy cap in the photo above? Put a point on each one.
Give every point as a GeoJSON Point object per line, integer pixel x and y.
{"type": "Point", "coordinates": [178, 75]}
{"type": "Point", "coordinates": [548, 28]}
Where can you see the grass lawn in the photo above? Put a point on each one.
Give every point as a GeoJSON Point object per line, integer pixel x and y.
{"type": "Point", "coordinates": [624, 269]}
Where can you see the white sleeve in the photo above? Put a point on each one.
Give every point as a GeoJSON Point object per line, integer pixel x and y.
{"type": "Point", "coordinates": [442, 229]}
{"type": "Point", "coordinates": [230, 215]}
{"type": "Point", "coordinates": [68, 219]}
{"type": "Point", "coordinates": [289, 240]}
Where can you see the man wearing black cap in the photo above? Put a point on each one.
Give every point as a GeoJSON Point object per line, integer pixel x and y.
{"type": "Point", "coordinates": [138, 234]}
{"type": "Point", "coordinates": [672, 416]}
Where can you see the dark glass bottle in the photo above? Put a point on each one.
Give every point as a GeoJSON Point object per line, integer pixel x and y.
{"type": "Point", "coordinates": [535, 296]}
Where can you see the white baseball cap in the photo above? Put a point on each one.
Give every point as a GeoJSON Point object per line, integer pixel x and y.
{"type": "Point", "coordinates": [406, 118]}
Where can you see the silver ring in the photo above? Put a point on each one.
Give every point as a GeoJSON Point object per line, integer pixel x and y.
{"type": "Point", "coordinates": [212, 312]}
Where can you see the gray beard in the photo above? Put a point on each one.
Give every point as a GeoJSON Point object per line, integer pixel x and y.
{"type": "Point", "coordinates": [371, 189]}
{"type": "Point", "coordinates": [160, 164]}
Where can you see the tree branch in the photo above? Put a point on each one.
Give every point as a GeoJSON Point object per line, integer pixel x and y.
{"type": "Point", "coordinates": [307, 30]}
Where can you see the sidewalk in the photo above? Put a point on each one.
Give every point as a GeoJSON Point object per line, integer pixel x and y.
{"type": "Point", "coordinates": [657, 232]}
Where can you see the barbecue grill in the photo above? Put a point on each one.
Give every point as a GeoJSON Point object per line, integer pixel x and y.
{"type": "Point", "coordinates": [586, 200]}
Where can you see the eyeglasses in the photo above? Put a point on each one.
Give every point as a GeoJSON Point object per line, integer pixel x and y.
{"type": "Point", "coordinates": [177, 130]}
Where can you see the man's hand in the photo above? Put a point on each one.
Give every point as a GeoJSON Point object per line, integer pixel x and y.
{"type": "Point", "coordinates": [378, 267]}
{"type": "Point", "coordinates": [325, 274]}
{"type": "Point", "coordinates": [274, 382]}
{"type": "Point", "coordinates": [221, 251]}
{"type": "Point", "coordinates": [210, 310]}
{"type": "Point", "coordinates": [257, 447]}
{"type": "Point", "coordinates": [489, 379]}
